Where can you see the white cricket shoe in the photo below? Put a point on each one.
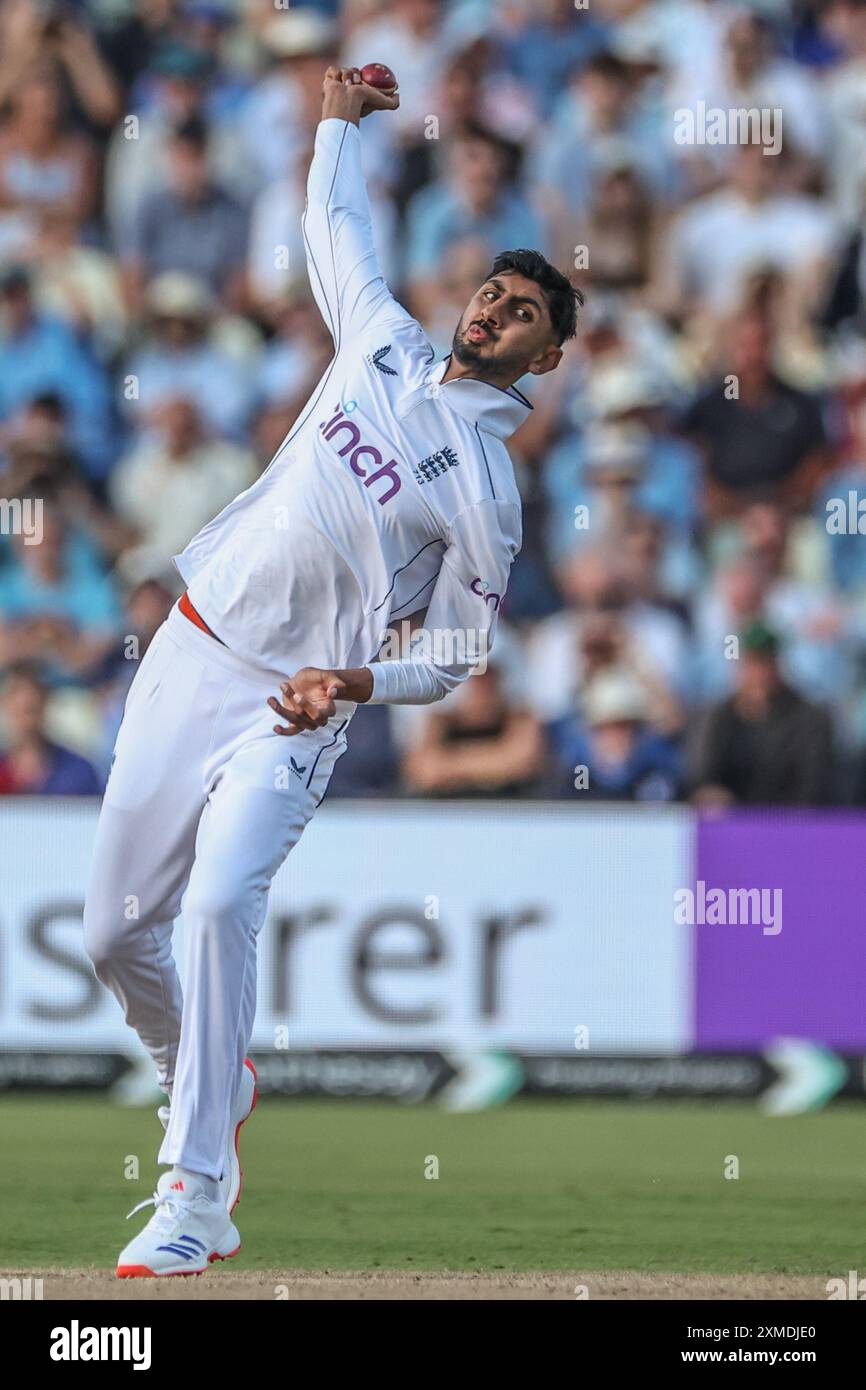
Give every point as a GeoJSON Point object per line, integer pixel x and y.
{"type": "Point", "coordinates": [232, 1176]}
{"type": "Point", "coordinates": [185, 1234]}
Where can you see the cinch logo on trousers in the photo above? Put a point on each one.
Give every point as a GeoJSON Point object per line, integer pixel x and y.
{"type": "Point", "coordinates": [353, 445]}
{"type": "Point", "coordinates": [77, 1343]}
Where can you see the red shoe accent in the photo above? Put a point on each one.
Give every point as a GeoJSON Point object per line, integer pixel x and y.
{"type": "Point", "coordinates": [176, 1187]}
{"type": "Point", "coordinates": [247, 1063]}
{"type": "Point", "coordinates": [215, 1256]}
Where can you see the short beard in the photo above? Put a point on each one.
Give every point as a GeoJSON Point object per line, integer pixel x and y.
{"type": "Point", "coordinates": [468, 355]}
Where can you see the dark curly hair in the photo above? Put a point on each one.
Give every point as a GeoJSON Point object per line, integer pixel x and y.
{"type": "Point", "coordinates": [563, 298]}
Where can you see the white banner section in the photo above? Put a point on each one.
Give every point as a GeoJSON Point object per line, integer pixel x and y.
{"type": "Point", "coordinates": [537, 927]}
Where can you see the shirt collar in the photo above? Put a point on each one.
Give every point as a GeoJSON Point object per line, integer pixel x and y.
{"type": "Point", "coordinates": [498, 411]}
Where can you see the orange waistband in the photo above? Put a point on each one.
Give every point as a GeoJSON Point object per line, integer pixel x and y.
{"type": "Point", "coordinates": [188, 611]}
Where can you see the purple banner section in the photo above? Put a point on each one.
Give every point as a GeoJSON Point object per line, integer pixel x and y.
{"type": "Point", "coordinates": [809, 979]}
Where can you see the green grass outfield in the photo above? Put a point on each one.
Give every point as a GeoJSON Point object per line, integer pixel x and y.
{"type": "Point", "coordinates": [531, 1186]}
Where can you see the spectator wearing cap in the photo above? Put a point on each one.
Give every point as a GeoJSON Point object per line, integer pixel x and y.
{"type": "Point", "coordinates": [181, 356]}
{"type": "Point", "coordinates": [78, 283]}
{"type": "Point", "coordinates": [279, 117]}
{"type": "Point", "coordinates": [192, 225]}
{"type": "Point", "coordinates": [586, 478]}
{"type": "Point", "coordinates": [31, 763]}
{"type": "Point", "coordinates": [607, 751]}
{"type": "Point", "coordinates": [628, 453]}
{"type": "Point", "coordinates": [624, 365]}
{"type": "Point", "coordinates": [765, 745]}
{"type": "Point", "coordinates": [40, 355]}
{"type": "Point", "coordinates": [623, 392]}
{"type": "Point", "coordinates": [479, 199]}
{"type": "Point", "coordinates": [615, 459]}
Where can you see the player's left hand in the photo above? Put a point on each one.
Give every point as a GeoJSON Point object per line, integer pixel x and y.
{"type": "Point", "coordinates": [308, 700]}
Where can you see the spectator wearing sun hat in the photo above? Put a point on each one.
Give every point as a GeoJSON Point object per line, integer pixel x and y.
{"type": "Point", "coordinates": [180, 355]}
{"type": "Point", "coordinates": [607, 749]}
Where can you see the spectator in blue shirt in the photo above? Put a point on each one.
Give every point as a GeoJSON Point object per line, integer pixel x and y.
{"type": "Point", "coordinates": [609, 752]}
{"type": "Point", "coordinates": [475, 200]}
{"type": "Point", "coordinates": [57, 607]}
{"type": "Point", "coordinates": [191, 225]}
{"type": "Point", "coordinates": [33, 765]}
{"type": "Point", "coordinates": [40, 356]}
{"type": "Point", "coordinates": [837, 508]}
{"type": "Point", "coordinates": [543, 52]}
{"type": "Point", "coordinates": [599, 123]}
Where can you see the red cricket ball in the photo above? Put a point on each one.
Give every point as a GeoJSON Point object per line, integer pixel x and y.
{"type": "Point", "coordinates": [379, 76]}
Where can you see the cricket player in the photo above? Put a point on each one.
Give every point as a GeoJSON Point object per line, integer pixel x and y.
{"type": "Point", "coordinates": [392, 494]}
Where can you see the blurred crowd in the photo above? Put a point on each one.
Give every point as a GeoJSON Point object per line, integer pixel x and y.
{"type": "Point", "coordinates": [687, 619]}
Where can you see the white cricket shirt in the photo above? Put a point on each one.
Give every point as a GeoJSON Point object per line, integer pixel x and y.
{"type": "Point", "coordinates": [392, 493]}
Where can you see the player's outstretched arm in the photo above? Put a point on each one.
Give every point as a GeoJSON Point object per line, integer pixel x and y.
{"type": "Point", "coordinates": [342, 264]}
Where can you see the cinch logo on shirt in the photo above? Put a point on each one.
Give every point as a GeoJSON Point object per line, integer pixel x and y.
{"type": "Point", "coordinates": [435, 464]}
{"type": "Point", "coordinates": [357, 449]}
{"type": "Point", "coordinates": [482, 588]}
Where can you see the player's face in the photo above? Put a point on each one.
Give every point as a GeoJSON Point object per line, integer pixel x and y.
{"type": "Point", "coordinates": [506, 330]}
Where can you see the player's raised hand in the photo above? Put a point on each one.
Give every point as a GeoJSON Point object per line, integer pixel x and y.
{"type": "Point", "coordinates": [348, 98]}
{"type": "Point", "coordinates": [308, 700]}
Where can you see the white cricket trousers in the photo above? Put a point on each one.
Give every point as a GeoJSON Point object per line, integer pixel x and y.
{"type": "Point", "coordinates": [203, 803]}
